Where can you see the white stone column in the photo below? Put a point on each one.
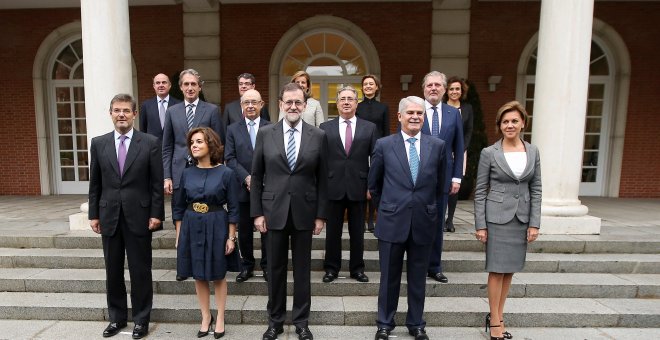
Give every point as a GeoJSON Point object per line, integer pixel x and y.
{"type": "Point", "coordinates": [560, 102]}
{"type": "Point", "coordinates": [201, 44]}
{"type": "Point", "coordinates": [106, 42]}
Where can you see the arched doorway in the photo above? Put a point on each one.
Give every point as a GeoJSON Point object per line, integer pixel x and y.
{"type": "Point", "coordinates": [332, 50]}
{"type": "Point", "coordinates": [606, 108]}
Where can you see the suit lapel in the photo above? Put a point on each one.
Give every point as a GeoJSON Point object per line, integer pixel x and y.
{"type": "Point", "coordinates": [244, 134]}
{"type": "Point", "coordinates": [531, 160]}
{"type": "Point", "coordinates": [334, 135]}
{"type": "Point", "coordinates": [400, 152]}
{"type": "Point", "coordinates": [278, 140]}
{"type": "Point", "coordinates": [501, 160]}
{"type": "Point", "coordinates": [425, 150]}
{"type": "Point", "coordinates": [110, 152]}
{"type": "Point", "coordinates": [445, 118]}
{"type": "Point", "coordinates": [359, 134]}
{"type": "Point", "coordinates": [305, 139]}
{"type": "Point", "coordinates": [200, 112]}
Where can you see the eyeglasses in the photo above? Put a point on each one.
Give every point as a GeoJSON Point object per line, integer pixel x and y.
{"type": "Point", "coordinates": [251, 102]}
{"type": "Point", "coordinates": [346, 99]}
{"type": "Point", "coordinates": [290, 103]}
{"type": "Point", "coordinates": [247, 83]}
{"type": "Point", "coordinates": [124, 111]}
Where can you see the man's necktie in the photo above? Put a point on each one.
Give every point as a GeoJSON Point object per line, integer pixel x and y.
{"type": "Point", "coordinates": [190, 115]}
{"type": "Point", "coordinates": [348, 140]}
{"type": "Point", "coordinates": [291, 150]}
{"type": "Point", "coordinates": [435, 124]}
{"type": "Point", "coordinates": [121, 154]}
{"type": "Point", "coordinates": [161, 112]}
{"type": "Point", "coordinates": [253, 133]}
{"type": "Point", "coordinates": [414, 159]}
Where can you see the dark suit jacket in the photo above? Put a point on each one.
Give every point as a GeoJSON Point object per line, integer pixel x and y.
{"type": "Point", "coordinates": [451, 132]}
{"type": "Point", "coordinates": [377, 113]}
{"type": "Point", "coordinates": [233, 113]}
{"type": "Point", "coordinates": [175, 132]}
{"type": "Point", "coordinates": [500, 196]}
{"type": "Point", "coordinates": [275, 187]}
{"type": "Point", "coordinates": [403, 205]}
{"type": "Point", "coordinates": [239, 152]}
{"type": "Point", "coordinates": [138, 193]}
{"type": "Point", "coordinates": [347, 175]}
{"type": "Point", "coordinates": [149, 118]}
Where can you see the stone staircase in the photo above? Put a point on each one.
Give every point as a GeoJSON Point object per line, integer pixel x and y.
{"type": "Point", "coordinates": [569, 281]}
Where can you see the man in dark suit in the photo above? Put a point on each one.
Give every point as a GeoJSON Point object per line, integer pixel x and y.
{"type": "Point", "coordinates": [125, 206]}
{"type": "Point", "coordinates": [350, 142]}
{"type": "Point", "coordinates": [406, 179]}
{"type": "Point", "coordinates": [152, 111]}
{"type": "Point", "coordinates": [179, 119]}
{"type": "Point", "coordinates": [241, 140]}
{"type": "Point", "coordinates": [444, 122]}
{"type": "Point", "coordinates": [288, 200]}
{"type": "Point", "coordinates": [233, 111]}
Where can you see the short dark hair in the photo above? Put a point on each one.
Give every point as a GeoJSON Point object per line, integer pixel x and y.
{"type": "Point", "coordinates": [464, 88]}
{"type": "Point", "coordinates": [510, 107]}
{"type": "Point", "coordinates": [289, 87]}
{"type": "Point", "coordinates": [246, 76]}
{"type": "Point", "coordinates": [124, 98]}
{"type": "Point", "coordinates": [216, 149]}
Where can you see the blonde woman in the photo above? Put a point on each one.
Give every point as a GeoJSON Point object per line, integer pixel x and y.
{"type": "Point", "coordinates": [313, 113]}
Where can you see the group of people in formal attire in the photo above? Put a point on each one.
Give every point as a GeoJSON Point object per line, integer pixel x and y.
{"type": "Point", "coordinates": [233, 173]}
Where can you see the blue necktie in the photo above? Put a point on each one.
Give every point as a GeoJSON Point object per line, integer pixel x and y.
{"type": "Point", "coordinates": [253, 133]}
{"type": "Point", "coordinates": [435, 124]}
{"type": "Point", "coordinates": [190, 115]}
{"type": "Point", "coordinates": [414, 159]}
{"type": "Point", "coordinates": [291, 150]}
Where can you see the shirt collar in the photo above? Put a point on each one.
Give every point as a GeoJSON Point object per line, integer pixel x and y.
{"type": "Point", "coordinates": [129, 134]}
{"type": "Point", "coordinates": [196, 102]}
{"type": "Point", "coordinates": [298, 126]}
{"type": "Point", "coordinates": [166, 99]}
{"type": "Point", "coordinates": [256, 121]}
{"type": "Point", "coordinates": [405, 136]}
{"type": "Point", "coordinates": [352, 119]}
{"type": "Point", "coordinates": [429, 106]}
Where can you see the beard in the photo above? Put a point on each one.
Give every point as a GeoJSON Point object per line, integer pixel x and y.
{"type": "Point", "coordinates": [293, 117]}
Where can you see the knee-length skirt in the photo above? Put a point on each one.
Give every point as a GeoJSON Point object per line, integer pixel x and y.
{"type": "Point", "coordinates": [506, 247]}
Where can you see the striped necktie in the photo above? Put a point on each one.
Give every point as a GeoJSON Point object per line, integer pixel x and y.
{"type": "Point", "coordinates": [190, 115]}
{"type": "Point", "coordinates": [414, 159]}
{"type": "Point", "coordinates": [291, 150]}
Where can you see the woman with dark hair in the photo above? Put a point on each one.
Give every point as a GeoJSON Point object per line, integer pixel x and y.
{"type": "Point", "coordinates": [455, 96]}
{"type": "Point", "coordinates": [313, 113]}
{"type": "Point", "coordinates": [205, 231]}
{"type": "Point", "coordinates": [378, 113]}
{"type": "Point", "coordinates": [507, 208]}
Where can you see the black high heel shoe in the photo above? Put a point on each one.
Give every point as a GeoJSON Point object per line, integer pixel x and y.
{"type": "Point", "coordinates": [218, 335]}
{"type": "Point", "coordinates": [506, 334]}
{"type": "Point", "coordinates": [488, 325]}
{"type": "Point", "coordinates": [201, 333]}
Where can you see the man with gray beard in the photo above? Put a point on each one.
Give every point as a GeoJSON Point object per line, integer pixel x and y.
{"type": "Point", "coordinates": [288, 199]}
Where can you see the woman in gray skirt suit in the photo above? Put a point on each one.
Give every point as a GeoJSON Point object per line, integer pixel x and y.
{"type": "Point", "coordinates": [507, 208]}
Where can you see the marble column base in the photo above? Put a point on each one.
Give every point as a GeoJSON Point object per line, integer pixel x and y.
{"type": "Point", "coordinates": [79, 220]}
{"type": "Point", "coordinates": [572, 225]}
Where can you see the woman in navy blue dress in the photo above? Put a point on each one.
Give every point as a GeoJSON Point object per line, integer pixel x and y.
{"type": "Point", "coordinates": [205, 221]}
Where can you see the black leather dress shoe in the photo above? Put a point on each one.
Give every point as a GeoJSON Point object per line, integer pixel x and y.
{"type": "Point", "coordinates": [440, 277]}
{"type": "Point", "coordinates": [382, 334]}
{"type": "Point", "coordinates": [370, 227]}
{"type": "Point", "coordinates": [449, 226]}
{"type": "Point", "coordinates": [140, 331]}
{"type": "Point", "coordinates": [418, 333]}
{"type": "Point", "coordinates": [360, 277]}
{"type": "Point", "coordinates": [329, 277]}
{"type": "Point", "coordinates": [272, 332]}
{"type": "Point", "coordinates": [113, 328]}
{"type": "Point", "coordinates": [265, 276]}
{"type": "Point", "coordinates": [304, 333]}
{"type": "Point", "coordinates": [244, 275]}
{"type": "Point", "coordinates": [181, 278]}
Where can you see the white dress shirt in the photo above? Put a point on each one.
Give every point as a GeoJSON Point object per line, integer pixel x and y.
{"type": "Point", "coordinates": [196, 103]}
{"type": "Point", "coordinates": [342, 129]}
{"type": "Point", "coordinates": [429, 115]}
{"type": "Point", "coordinates": [127, 142]}
{"type": "Point", "coordinates": [164, 101]}
{"type": "Point", "coordinates": [405, 140]}
{"type": "Point", "coordinates": [256, 124]}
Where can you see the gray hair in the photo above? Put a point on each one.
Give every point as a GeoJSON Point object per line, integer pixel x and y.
{"type": "Point", "coordinates": [405, 102]}
{"type": "Point", "coordinates": [435, 74]}
{"type": "Point", "coordinates": [347, 88]}
{"type": "Point", "coordinates": [191, 72]}
{"type": "Point", "coordinates": [124, 98]}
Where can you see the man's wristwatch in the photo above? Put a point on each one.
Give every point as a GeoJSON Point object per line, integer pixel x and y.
{"type": "Point", "coordinates": [233, 239]}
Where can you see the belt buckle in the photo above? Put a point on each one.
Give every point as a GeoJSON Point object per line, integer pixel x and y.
{"type": "Point", "coordinates": [201, 208]}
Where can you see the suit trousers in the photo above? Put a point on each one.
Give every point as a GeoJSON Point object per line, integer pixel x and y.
{"type": "Point", "coordinates": [334, 230]}
{"type": "Point", "coordinates": [246, 239]}
{"type": "Point", "coordinates": [277, 252]}
{"type": "Point", "coordinates": [391, 267]}
{"type": "Point", "coordinates": [137, 250]}
{"type": "Point", "coordinates": [435, 264]}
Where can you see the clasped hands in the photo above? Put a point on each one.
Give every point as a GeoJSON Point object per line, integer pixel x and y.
{"type": "Point", "coordinates": [260, 224]}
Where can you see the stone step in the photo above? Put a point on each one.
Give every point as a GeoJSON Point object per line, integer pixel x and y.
{"type": "Point", "coordinates": [568, 244]}
{"type": "Point", "coordinates": [453, 261]}
{"type": "Point", "coordinates": [350, 310]}
{"type": "Point", "coordinates": [531, 285]}
{"type": "Point", "coordinates": [63, 329]}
